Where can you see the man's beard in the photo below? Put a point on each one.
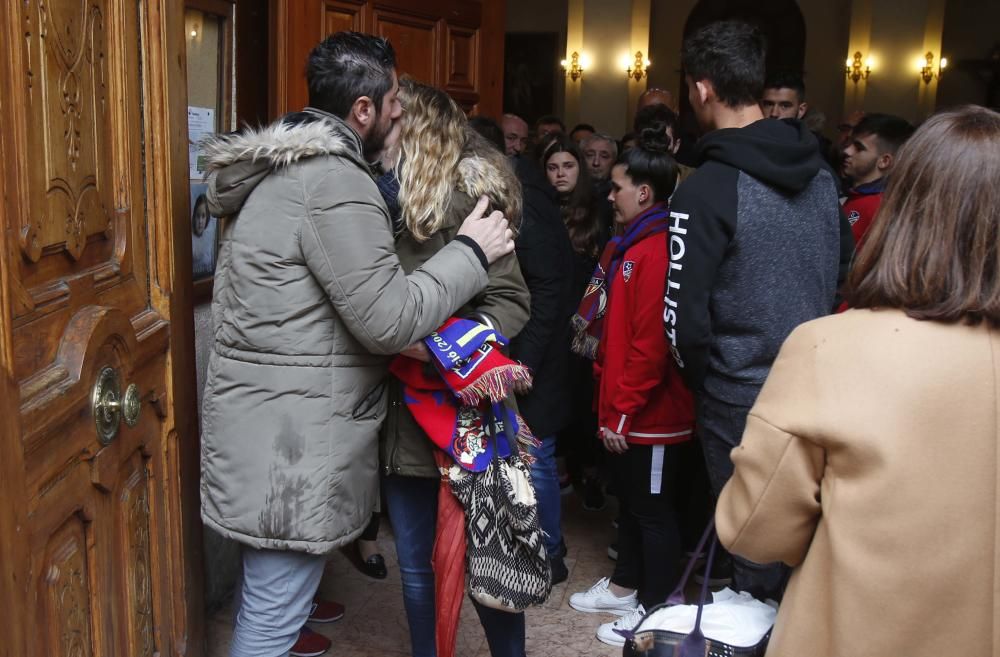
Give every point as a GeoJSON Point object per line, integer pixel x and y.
{"type": "Point", "coordinates": [374, 144]}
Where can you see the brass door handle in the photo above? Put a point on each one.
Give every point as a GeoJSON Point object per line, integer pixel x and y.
{"type": "Point", "coordinates": [109, 407]}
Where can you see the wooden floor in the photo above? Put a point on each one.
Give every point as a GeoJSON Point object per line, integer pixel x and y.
{"type": "Point", "coordinates": [375, 623]}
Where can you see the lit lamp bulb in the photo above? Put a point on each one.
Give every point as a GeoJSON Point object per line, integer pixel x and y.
{"type": "Point", "coordinates": [870, 63]}
{"type": "Point", "coordinates": [944, 63]}
{"type": "Point", "coordinates": [585, 62]}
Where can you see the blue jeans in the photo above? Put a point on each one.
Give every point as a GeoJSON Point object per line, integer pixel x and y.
{"type": "Point", "coordinates": [412, 506]}
{"type": "Point", "coordinates": [546, 480]}
{"type": "Point", "coordinates": [275, 599]}
{"type": "Point", "coordinates": [720, 427]}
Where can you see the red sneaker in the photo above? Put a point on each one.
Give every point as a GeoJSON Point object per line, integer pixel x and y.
{"type": "Point", "coordinates": [310, 644]}
{"type": "Point", "coordinates": [325, 611]}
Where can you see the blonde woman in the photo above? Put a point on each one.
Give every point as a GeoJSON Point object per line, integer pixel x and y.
{"type": "Point", "coordinates": [442, 168]}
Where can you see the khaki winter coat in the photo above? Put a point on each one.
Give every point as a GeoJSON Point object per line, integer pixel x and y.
{"type": "Point", "coordinates": [504, 304]}
{"type": "Point", "coordinates": [309, 301]}
{"type": "Point", "coordinates": [869, 464]}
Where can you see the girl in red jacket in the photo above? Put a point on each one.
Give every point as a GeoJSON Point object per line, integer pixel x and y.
{"type": "Point", "coordinates": [644, 409]}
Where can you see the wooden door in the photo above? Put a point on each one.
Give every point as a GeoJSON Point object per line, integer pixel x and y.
{"type": "Point", "coordinates": [456, 45]}
{"type": "Point", "coordinates": [96, 531]}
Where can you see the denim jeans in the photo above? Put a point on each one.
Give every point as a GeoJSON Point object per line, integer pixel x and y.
{"type": "Point", "coordinates": [274, 601]}
{"type": "Point", "coordinates": [412, 506]}
{"type": "Point", "coordinates": [546, 481]}
{"type": "Point", "coordinates": [720, 427]}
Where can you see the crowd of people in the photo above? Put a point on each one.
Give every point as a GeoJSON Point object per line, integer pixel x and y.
{"type": "Point", "coordinates": [724, 315]}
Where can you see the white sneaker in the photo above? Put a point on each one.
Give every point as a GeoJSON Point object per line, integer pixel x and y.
{"type": "Point", "coordinates": [600, 599]}
{"type": "Point", "coordinates": [606, 633]}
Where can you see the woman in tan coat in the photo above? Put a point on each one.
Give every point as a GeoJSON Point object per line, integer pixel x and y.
{"type": "Point", "coordinates": [869, 462]}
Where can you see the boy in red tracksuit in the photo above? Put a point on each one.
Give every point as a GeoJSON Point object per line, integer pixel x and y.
{"type": "Point", "coordinates": [645, 411]}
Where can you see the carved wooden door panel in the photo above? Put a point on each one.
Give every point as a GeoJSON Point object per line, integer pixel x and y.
{"type": "Point", "coordinates": [91, 532]}
{"type": "Point", "coordinates": [456, 45]}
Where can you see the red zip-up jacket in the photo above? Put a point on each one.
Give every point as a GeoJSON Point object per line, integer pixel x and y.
{"type": "Point", "coordinates": [640, 391]}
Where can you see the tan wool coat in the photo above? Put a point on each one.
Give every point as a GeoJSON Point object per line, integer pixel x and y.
{"type": "Point", "coordinates": [869, 464]}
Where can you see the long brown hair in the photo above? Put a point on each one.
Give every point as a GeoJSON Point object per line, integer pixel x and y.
{"type": "Point", "coordinates": [578, 210]}
{"type": "Point", "coordinates": [932, 250]}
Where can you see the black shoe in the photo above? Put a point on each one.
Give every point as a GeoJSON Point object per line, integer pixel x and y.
{"type": "Point", "coordinates": [374, 567]}
{"type": "Point", "coordinates": [593, 496]}
{"type": "Point", "coordinates": [559, 570]}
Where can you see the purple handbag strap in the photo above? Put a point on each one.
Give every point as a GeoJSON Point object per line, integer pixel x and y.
{"type": "Point", "coordinates": [677, 596]}
{"type": "Point", "coordinates": [694, 643]}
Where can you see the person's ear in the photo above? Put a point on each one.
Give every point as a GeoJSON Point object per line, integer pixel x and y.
{"type": "Point", "coordinates": [363, 112]}
{"type": "Point", "coordinates": [704, 90]}
{"type": "Point", "coordinates": [645, 193]}
{"type": "Point", "coordinates": [803, 108]}
{"type": "Point", "coordinates": [884, 162]}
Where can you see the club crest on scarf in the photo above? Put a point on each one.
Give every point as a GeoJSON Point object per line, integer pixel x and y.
{"type": "Point", "coordinates": [469, 376]}
{"type": "Point", "coordinates": [587, 323]}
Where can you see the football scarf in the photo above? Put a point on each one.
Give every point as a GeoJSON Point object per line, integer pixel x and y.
{"type": "Point", "coordinates": [449, 400]}
{"type": "Point", "coordinates": [588, 321]}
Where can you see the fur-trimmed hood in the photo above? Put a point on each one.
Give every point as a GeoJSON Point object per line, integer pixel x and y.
{"type": "Point", "coordinates": [238, 162]}
{"type": "Point", "coordinates": [482, 171]}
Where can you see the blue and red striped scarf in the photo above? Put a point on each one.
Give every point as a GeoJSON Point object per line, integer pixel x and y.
{"type": "Point", "coordinates": [588, 322]}
{"type": "Point", "coordinates": [469, 382]}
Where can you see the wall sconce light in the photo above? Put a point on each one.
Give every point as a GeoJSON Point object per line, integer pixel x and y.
{"type": "Point", "coordinates": [636, 69]}
{"type": "Point", "coordinates": [856, 69]}
{"type": "Point", "coordinates": [575, 67]}
{"type": "Point", "coordinates": [925, 65]}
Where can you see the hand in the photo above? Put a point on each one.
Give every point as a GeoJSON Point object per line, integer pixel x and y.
{"type": "Point", "coordinates": [417, 351]}
{"type": "Point", "coordinates": [491, 233]}
{"type": "Point", "coordinates": [613, 442]}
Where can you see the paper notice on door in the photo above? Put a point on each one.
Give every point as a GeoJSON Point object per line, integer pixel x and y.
{"type": "Point", "coordinates": [201, 124]}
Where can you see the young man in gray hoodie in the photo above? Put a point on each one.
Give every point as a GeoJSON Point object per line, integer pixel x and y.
{"type": "Point", "coordinates": [758, 245]}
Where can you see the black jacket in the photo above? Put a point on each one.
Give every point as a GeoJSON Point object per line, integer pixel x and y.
{"type": "Point", "coordinates": [546, 256]}
{"type": "Point", "coordinates": [758, 245]}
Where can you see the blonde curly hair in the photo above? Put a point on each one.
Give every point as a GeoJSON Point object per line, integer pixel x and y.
{"type": "Point", "coordinates": [439, 154]}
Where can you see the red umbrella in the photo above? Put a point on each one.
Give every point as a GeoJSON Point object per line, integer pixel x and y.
{"type": "Point", "coordinates": [448, 562]}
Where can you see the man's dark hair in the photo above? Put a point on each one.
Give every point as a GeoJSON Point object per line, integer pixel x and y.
{"type": "Point", "coordinates": [890, 131]}
{"type": "Point", "coordinates": [651, 114]}
{"type": "Point", "coordinates": [551, 118]}
{"type": "Point", "coordinates": [787, 80]}
{"type": "Point", "coordinates": [490, 130]}
{"type": "Point", "coordinates": [730, 55]}
{"type": "Point", "coordinates": [582, 126]}
{"type": "Point", "coordinates": [346, 66]}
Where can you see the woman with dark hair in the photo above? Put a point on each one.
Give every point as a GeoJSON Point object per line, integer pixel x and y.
{"type": "Point", "coordinates": [869, 461]}
{"type": "Point", "coordinates": [568, 175]}
{"type": "Point", "coordinates": [645, 411]}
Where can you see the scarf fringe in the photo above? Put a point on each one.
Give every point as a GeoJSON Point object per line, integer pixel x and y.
{"type": "Point", "coordinates": [585, 345]}
{"type": "Point", "coordinates": [495, 384]}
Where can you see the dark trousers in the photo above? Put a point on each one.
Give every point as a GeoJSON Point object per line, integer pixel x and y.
{"type": "Point", "coordinates": [720, 427]}
{"type": "Point", "coordinates": [649, 544]}
{"type": "Point", "coordinates": [412, 506]}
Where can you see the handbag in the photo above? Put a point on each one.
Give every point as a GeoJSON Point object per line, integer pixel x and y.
{"type": "Point", "coordinates": [507, 564]}
{"type": "Point", "coordinates": [651, 642]}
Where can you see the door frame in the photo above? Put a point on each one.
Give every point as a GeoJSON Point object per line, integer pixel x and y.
{"type": "Point", "coordinates": [171, 292]}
